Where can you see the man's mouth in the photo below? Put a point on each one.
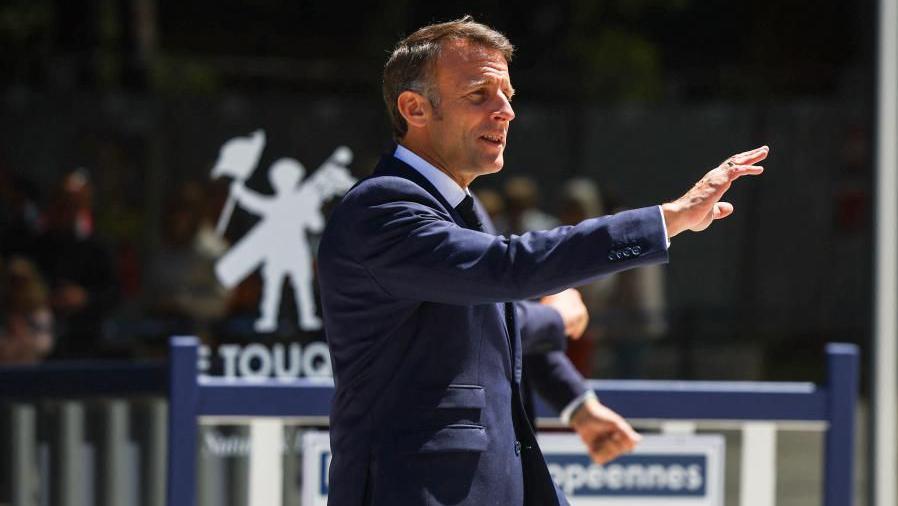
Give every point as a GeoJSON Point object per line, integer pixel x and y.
{"type": "Point", "coordinates": [496, 140]}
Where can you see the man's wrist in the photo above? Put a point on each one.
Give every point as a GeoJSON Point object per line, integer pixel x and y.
{"type": "Point", "coordinates": [570, 411]}
{"type": "Point", "coordinates": [671, 216]}
{"type": "Point", "coordinates": [664, 227]}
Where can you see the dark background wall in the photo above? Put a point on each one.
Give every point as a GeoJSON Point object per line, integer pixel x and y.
{"type": "Point", "coordinates": [641, 96]}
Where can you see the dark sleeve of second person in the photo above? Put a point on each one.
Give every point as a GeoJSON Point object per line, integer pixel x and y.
{"type": "Point", "coordinates": [541, 328]}
{"type": "Point", "coordinates": [554, 378]}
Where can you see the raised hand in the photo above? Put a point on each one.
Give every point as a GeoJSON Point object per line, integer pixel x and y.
{"type": "Point", "coordinates": [701, 205]}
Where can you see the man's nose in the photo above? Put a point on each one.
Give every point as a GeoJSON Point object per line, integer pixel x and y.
{"type": "Point", "coordinates": [504, 112]}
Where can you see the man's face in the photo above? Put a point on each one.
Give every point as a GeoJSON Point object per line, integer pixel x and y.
{"type": "Point", "coordinates": [468, 130]}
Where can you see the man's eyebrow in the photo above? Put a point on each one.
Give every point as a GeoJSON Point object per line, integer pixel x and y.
{"type": "Point", "coordinates": [476, 83]}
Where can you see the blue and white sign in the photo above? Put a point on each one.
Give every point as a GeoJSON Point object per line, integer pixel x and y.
{"type": "Point", "coordinates": [316, 460]}
{"type": "Point", "coordinates": [664, 470]}
{"type": "Point", "coordinates": [682, 470]}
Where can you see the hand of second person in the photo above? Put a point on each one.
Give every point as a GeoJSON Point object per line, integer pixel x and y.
{"type": "Point", "coordinates": [573, 312]}
{"type": "Point", "coordinates": [701, 205]}
{"type": "Point", "coordinates": [605, 433]}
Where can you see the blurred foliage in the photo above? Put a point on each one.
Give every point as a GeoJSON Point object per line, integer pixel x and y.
{"type": "Point", "coordinates": [22, 20]}
{"type": "Point", "coordinates": [615, 59]}
{"type": "Point", "coordinates": [25, 29]}
{"type": "Point", "coordinates": [609, 50]}
{"type": "Point", "coordinates": [173, 74]}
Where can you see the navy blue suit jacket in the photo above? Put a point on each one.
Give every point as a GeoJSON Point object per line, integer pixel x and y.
{"type": "Point", "coordinates": [427, 362]}
{"type": "Point", "coordinates": [546, 367]}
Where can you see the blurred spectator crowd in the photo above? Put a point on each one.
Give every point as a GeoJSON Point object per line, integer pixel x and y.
{"type": "Point", "coordinates": [66, 293]}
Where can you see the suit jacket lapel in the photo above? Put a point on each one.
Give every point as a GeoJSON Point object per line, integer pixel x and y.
{"type": "Point", "coordinates": [389, 165]}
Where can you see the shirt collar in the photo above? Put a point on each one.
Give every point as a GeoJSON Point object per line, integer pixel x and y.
{"type": "Point", "coordinates": [448, 188]}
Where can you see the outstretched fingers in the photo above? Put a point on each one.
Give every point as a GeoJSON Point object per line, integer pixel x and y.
{"type": "Point", "coordinates": [750, 157]}
{"type": "Point", "coordinates": [736, 171]}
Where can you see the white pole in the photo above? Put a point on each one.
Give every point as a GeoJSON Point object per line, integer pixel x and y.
{"type": "Point", "coordinates": [757, 485]}
{"type": "Point", "coordinates": [266, 462]}
{"type": "Point", "coordinates": [885, 354]}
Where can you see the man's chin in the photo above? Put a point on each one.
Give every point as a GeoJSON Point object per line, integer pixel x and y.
{"type": "Point", "coordinates": [487, 165]}
{"type": "Point", "coordinates": [494, 165]}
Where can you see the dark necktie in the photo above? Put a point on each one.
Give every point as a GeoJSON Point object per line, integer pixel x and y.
{"type": "Point", "coordinates": [466, 209]}
{"type": "Point", "coordinates": [472, 221]}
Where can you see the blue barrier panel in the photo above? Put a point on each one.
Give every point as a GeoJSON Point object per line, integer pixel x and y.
{"type": "Point", "coordinates": [83, 379]}
{"type": "Point", "coordinates": [833, 403]}
{"type": "Point", "coordinates": [842, 386]}
{"type": "Point", "coordinates": [706, 400]}
{"type": "Point", "coordinates": [183, 400]}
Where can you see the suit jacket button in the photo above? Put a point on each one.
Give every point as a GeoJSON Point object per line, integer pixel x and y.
{"type": "Point", "coordinates": [611, 256]}
{"type": "Point", "coordinates": [517, 448]}
{"type": "Point", "coordinates": [627, 252]}
{"type": "Point", "coordinates": [636, 250]}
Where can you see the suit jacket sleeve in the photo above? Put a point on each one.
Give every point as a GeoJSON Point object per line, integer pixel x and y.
{"type": "Point", "coordinates": [413, 250]}
{"type": "Point", "coordinates": [541, 327]}
{"type": "Point", "coordinates": [554, 378]}
{"type": "Point", "coordinates": [549, 371]}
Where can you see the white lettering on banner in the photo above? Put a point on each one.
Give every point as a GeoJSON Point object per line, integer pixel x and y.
{"type": "Point", "coordinates": [574, 477]}
{"type": "Point", "coordinates": [229, 355]}
{"type": "Point", "coordinates": [219, 444]}
{"type": "Point", "coordinates": [255, 362]}
{"type": "Point", "coordinates": [664, 469]}
{"type": "Point", "coordinates": [258, 361]}
{"type": "Point", "coordinates": [284, 368]}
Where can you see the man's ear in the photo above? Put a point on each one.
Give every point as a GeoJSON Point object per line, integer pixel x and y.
{"type": "Point", "coordinates": [414, 107]}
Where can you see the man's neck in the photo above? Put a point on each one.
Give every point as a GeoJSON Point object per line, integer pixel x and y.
{"type": "Point", "coordinates": [421, 149]}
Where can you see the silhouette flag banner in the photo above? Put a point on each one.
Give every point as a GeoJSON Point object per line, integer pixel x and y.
{"type": "Point", "coordinates": [278, 244]}
{"type": "Point", "coordinates": [237, 159]}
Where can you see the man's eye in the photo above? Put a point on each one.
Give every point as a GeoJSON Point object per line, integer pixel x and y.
{"type": "Point", "coordinates": [478, 96]}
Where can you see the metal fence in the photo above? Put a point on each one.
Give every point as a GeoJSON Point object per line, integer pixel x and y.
{"type": "Point", "coordinates": [759, 407]}
{"type": "Point", "coordinates": [81, 434]}
{"type": "Point", "coordinates": [104, 434]}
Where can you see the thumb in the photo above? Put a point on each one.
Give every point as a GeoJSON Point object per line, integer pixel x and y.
{"type": "Point", "coordinates": [722, 210]}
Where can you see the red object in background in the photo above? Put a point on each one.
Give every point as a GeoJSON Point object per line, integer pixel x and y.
{"type": "Point", "coordinates": [128, 266]}
{"type": "Point", "coordinates": [851, 210]}
{"type": "Point", "coordinates": [580, 352]}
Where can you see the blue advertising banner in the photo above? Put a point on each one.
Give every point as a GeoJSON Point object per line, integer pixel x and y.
{"type": "Point", "coordinates": [684, 468]}
{"type": "Point", "coordinates": [687, 469]}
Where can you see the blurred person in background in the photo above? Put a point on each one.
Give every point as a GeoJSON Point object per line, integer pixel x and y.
{"type": "Point", "coordinates": [628, 307]}
{"type": "Point", "coordinates": [26, 322]}
{"type": "Point", "coordinates": [78, 268]}
{"type": "Point", "coordinates": [522, 203]}
{"type": "Point", "coordinates": [20, 215]}
{"type": "Point", "coordinates": [180, 282]}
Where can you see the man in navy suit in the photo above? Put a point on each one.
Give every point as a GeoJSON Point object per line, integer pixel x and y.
{"type": "Point", "coordinates": [417, 298]}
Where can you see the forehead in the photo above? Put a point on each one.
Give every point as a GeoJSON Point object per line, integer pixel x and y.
{"type": "Point", "coordinates": [462, 62]}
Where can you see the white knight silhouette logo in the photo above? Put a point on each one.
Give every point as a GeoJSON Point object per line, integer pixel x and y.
{"type": "Point", "coordinates": [278, 243]}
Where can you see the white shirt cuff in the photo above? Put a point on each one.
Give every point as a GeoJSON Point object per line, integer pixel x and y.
{"type": "Point", "coordinates": [664, 227]}
{"type": "Point", "coordinates": [572, 406]}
